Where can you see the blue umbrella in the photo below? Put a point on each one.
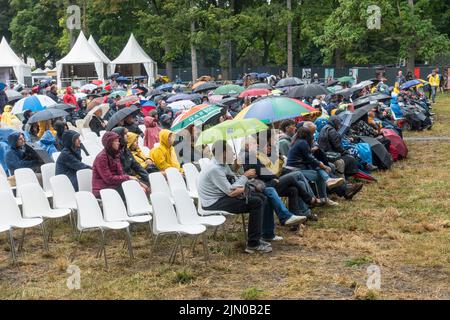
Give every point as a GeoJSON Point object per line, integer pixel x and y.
{"type": "Point", "coordinates": [409, 84]}
{"type": "Point", "coordinates": [148, 103]}
{"type": "Point", "coordinates": [122, 79]}
{"type": "Point", "coordinates": [263, 75]}
{"type": "Point", "coordinates": [34, 103]}
{"type": "Point", "coordinates": [165, 87]}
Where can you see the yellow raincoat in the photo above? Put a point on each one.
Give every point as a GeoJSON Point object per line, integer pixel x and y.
{"type": "Point", "coordinates": [43, 128]}
{"type": "Point", "coordinates": [8, 118]}
{"type": "Point", "coordinates": [164, 155]}
{"type": "Point", "coordinates": [137, 153]}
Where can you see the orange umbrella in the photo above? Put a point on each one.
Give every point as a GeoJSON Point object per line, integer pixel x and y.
{"type": "Point", "coordinates": [197, 84]}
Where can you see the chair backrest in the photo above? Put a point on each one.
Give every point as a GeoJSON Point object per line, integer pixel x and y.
{"type": "Point", "coordinates": [191, 173]}
{"type": "Point", "coordinates": [137, 201]}
{"type": "Point", "coordinates": [2, 171]}
{"type": "Point", "coordinates": [204, 162]}
{"type": "Point", "coordinates": [47, 171]}
{"type": "Point", "coordinates": [113, 207]}
{"type": "Point", "coordinates": [92, 147]}
{"type": "Point", "coordinates": [90, 136]}
{"type": "Point", "coordinates": [80, 124]}
{"type": "Point", "coordinates": [158, 183]}
{"type": "Point", "coordinates": [34, 201]}
{"type": "Point", "coordinates": [25, 176]}
{"type": "Point", "coordinates": [89, 160]}
{"type": "Point", "coordinates": [145, 150]}
{"type": "Point", "coordinates": [85, 131]}
{"type": "Point", "coordinates": [102, 133]}
{"type": "Point", "coordinates": [10, 210]}
{"type": "Point", "coordinates": [140, 141]}
{"type": "Point", "coordinates": [84, 178]}
{"type": "Point", "coordinates": [186, 211]}
{"type": "Point", "coordinates": [142, 127]}
{"type": "Point", "coordinates": [63, 192]}
{"type": "Point", "coordinates": [55, 155]}
{"type": "Point", "coordinates": [5, 186]}
{"type": "Point", "coordinates": [164, 216]}
{"type": "Point", "coordinates": [89, 212]}
{"type": "Point", "coordinates": [175, 180]}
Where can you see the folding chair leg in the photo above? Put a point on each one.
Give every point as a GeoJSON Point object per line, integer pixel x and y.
{"type": "Point", "coordinates": [205, 248]}
{"type": "Point", "coordinates": [194, 242]}
{"type": "Point", "coordinates": [79, 235]}
{"type": "Point", "coordinates": [174, 251]}
{"type": "Point", "coordinates": [104, 248]}
{"type": "Point", "coordinates": [150, 231]}
{"type": "Point", "coordinates": [44, 235]}
{"type": "Point", "coordinates": [13, 247]}
{"type": "Point", "coordinates": [22, 239]}
{"type": "Point", "coordinates": [130, 247]}
{"type": "Point", "coordinates": [155, 243]}
{"type": "Point", "coordinates": [215, 232]}
{"type": "Point", "coordinates": [244, 227]}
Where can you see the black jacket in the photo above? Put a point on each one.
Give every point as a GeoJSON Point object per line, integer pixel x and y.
{"type": "Point", "coordinates": [96, 125]}
{"type": "Point", "coordinates": [53, 96]}
{"type": "Point", "coordinates": [300, 156]}
{"type": "Point", "coordinates": [131, 167]}
{"type": "Point", "coordinates": [330, 140]}
{"type": "Point", "coordinates": [3, 100]}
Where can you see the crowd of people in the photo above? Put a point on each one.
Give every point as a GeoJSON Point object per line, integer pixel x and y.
{"type": "Point", "coordinates": [294, 167]}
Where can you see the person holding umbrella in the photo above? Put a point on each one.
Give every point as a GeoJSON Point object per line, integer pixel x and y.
{"type": "Point", "coordinates": [97, 123]}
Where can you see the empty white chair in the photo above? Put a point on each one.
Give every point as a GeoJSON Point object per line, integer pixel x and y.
{"type": "Point", "coordinates": [55, 156]}
{"type": "Point", "coordinates": [25, 176]}
{"type": "Point", "coordinates": [176, 181]}
{"type": "Point", "coordinates": [137, 202]}
{"type": "Point", "coordinates": [5, 186]}
{"type": "Point", "coordinates": [90, 218]}
{"type": "Point", "coordinates": [165, 222]}
{"type": "Point", "coordinates": [204, 163]}
{"type": "Point", "coordinates": [191, 173]}
{"type": "Point", "coordinates": [12, 217]}
{"type": "Point", "coordinates": [102, 133]}
{"type": "Point", "coordinates": [159, 184]}
{"type": "Point", "coordinates": [47, 171]}
{"type": "Point", "coordinates": [84, 178]}
{"type": "Point", "coordinates": [63, 194]}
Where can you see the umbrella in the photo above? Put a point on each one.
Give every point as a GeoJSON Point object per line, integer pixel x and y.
{"type": "Point", "coordinates": [274, 109]}
{"type": "Point", "coordinates": [260, 85]}
{"type": "Point", "coordinates": [361, 112]}
{"type": "Point", "coordinates": [64, 106]}
{"type": "Point", "coordinates": [347, 92]}
{"type": "Point", "coordinates": [231, 129]}
{"type": "Point", "coordinates": [120, 115]}
{"type": "Point", "coordinates": [254, 93]}
{"type": "Point", "coordinates": [140, 78]}
{"type": "Point", "coordinates": [396, 141]}
{"type": "Point", "coordinates": [215, 98]}
{"type": "Point", "coordinates": [47, 114]}
{"type": "Point", "coordinates": [183, 96]}
{"type": "Point", "coordinates": [13, 95]}
{"type": "Point", "coordinates": [88, 87]}
{"type": "Point", "coordinates": [181, 105]}
{"type": "Point", "coordinates": [97, 82]}
{"type": "Point", "coordinates": [229, 89]}
{"type": "Point", "coordinates": [205, 87]}
{"type": "Point", "coordinates": [165, 87]}
{"type": "Point", "coordinates": [370, 98]}
{"type": "Point", "coordinates": [229, 101]}
{"type": "Point", "coordinates": [114, 75]}
{"type": "Point", "coordinates": [263, 75]}
{"type": "Point", "coordinates": [198, 83]}
{"type": "Point", "coordinates": [332, 83]}
{"type": "Point", "coordinates": [410, 84]}
{"type": "Point", "coordinates": [118, 93]}
{"type": "Point", "coordinates": [196, 115]}
{"type": "Point", "coordinates": [95, 102]}
{"type": "Point", "coordinates": [308, 90]}
{"type": "Point", "coordinates": [34, 103]}
{"type": "Point", "coordinates": [379, 152]}
{"type": "Point", "coordinates": [80, 95]}
{"type": "Point", "coordinates": [123, 79]}
{"type": "Point", "coordinates": [148, 103]}
{"type": "Point", "coordinates": [104, 107]}
{"type": "Point", "coordinates": [152, 93]}
{"type": "Point", "coordinates": [289, 82]}
{"type": "Point", "coordinates": [345, 79]}
{"type": "Point", "coordinates": [128, 100]}
{"type": "Point", "coordinates": [363, 84]}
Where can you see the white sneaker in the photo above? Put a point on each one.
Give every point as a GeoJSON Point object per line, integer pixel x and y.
{"type": "Point", "coordinates": [275, 238]}
{"type": "Point", "coordinates": [331, 203]}
{"type": "Point", "coordinates": [295, 220]}
{"type": "Point", "coordinates": [335, 182]}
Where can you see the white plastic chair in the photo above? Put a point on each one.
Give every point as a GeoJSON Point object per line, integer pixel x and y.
{"type": "Point", "coordinates": [142, 127]}
{"type": "Point", "coordinates": [85, 132]}
{"type": "Point", "coordinates": [47, 171]}
{"type": "Point", "coordinates": [12, 217]}
{"type": "Point", "coordinates": [55, 156]}
{"type": "Point", "coordinates": [7, 228]}
{"type": "Point", "coordinates": [92, 147]}
{"type": "Point", "coordinates": [89, 160]}
{"type": "Point", "coordinates": [63, 194]}
{"type": "Point", "coordinates": [191, 173]}
{"type": "Point", "coordinates": [90, 218]}
{"type": "Point", "coordinates": [25, 176]}
{"type": "Point", "coordinates": [145, 150]}
{"type": "Point", "coordinates": [137, 202]}
{"type": "Point", "coordinates": [80, 125]}
{"type": "Point", "coordinates": [91, 136]}
{"type": "Point", "coordinates": [165, 222]}
{"type": "Point", "coordinates": [176, 181]}
{"type": "Point", "coordinates": [159, 184]}
{"type": "Point", "coordinates": [141, 142]}
{"type": "Point", "coordinates": [204, 163]}
{"type": "Point", "coordinates": [84, 178]}
{"type": "Point", "coordinates": [102, 133]}
{"type": "Point", "coordinates": [5, 186]}
{"type": "Point", "coordinates": [2, 171]}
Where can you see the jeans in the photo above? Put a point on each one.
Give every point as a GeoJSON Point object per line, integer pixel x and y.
{"type": "Point", "coordinates": [317, 178]}
{"type": "Point", "coordinates": [276, 204]}
{"type": "Point", "coordinates": [433, 93]}
{"type": "Point", "coordinates": [255, 207]}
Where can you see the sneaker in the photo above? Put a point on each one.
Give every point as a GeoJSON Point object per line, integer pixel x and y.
{"type": "Point", "coordinates": [261, 249]}
{"type": "Point", "coordinates": [265, 243]}
{"type": "Point", "coordinates": [313, 217]}
{"type": "Point", "coordinates": [352, 190]}
{"type": "Point", "coordinates": [331, 203]}
{"type": "Point", "coordinates": [295, 220]}
{"type": "Point", "coordinates": [335, 182]}
{"type": "Point", "coordinates": [371, 167]}
{"type": "Point", "coordinates": [275, 238]}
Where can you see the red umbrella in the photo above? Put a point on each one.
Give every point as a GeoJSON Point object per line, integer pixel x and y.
{"type": "Point", "coordinates": [128, 100]}
{"type": "Point", "coordinates": [258, 92]}
{"type": "Point", "coordinates": [97, 82]}
{"type": "Point", "coordinates": [95, 102]}
{"type": "Point", "coordinates": [396, 142]}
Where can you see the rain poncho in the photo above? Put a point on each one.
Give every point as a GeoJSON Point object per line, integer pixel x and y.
{"type": "Point", "coordinates": [43, 129]}
{"type": "Point", "coordinates": [164, 155]}
{"type": "Point", "coordinates": [137, 153]}
{"type": "Point", "coordinates": [9, 119]}
{"type": "Point", "coordinates": [151, 132]}
{"type": "Point", "coordinates": [47, 142]}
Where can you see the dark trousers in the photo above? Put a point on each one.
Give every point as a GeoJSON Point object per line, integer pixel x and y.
{"type": "Point", "coordinates": [291, 180]}
{"type": "Point", "coordinates": [255, 207]}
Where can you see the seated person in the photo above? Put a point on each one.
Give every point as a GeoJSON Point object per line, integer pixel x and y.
{"type": "Point", "coordinates": [164, 155]}
{"type": "Point", "coordinates": [97, 124]}
{"type": "Point", "coordinates": [60, 127]}
{"type": "Point", "coordinates": [217, 193]}
{"type": "Point", "coordinates": [143, 160]}
{"type": "Point", "coordinates": [288, 128]}
{"type": "Point", "coordinates": [69, 161]}
{"type": "Point", "coordinates": [19, 156]}
{"type": "Point", "coordinates": [130, 123]}
{"type": "Point", "coordinates": [47, 142]}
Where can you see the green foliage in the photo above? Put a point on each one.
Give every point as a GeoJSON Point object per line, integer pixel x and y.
{"type": "Point", "coordinates": [358, 261]}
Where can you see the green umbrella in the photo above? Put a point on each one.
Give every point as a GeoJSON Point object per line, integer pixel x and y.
{"type": "Point", "coordinates": [229, 89]}
{"type": "Point", "coordinates": [346, 79]}
{"type": "Point", "coordinates": [195, 116]}
{"type": "Point", "coordinates": [231, 129]}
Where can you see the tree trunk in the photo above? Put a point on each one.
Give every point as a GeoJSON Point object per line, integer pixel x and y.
{"type": "Point", "coordinates": [290, 67]}
{"type": "Point", "coordinates": [412, 51]}
{"type": "Point", "coordinates": [339, 61]}
{"type": "Point", "coordinates": [169, 63]}
{"type": "Point", "coordinates": [193, 51]}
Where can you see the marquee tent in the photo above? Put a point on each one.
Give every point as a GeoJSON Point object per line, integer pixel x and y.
{"type": "Point", "coordinates": [8, 59]}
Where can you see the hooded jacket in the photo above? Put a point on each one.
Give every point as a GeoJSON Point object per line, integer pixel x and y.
{"type": "Point", "coordinates": [107, 170]}
{"type": "Point", "coordinates": [42, 129]}
{"type": "Point", "coordinates": [47, 142]}
{"type": "Point", "coordinates": [69, 161]}
{"type": "Point", "coordinates": [164, 155]}
{"type": "Point", "coordinates": [69, 98]}
{"type": "Point", "coordinates": [8, 118]}
{"type": "Point", "coordinates": [137, 153]}
{"type": "Point", "coordinates": [329, 138]}
{"type": "Point", "coordinates": [17, 158]}
{"type": "Point", "coordinates": [151, 132]}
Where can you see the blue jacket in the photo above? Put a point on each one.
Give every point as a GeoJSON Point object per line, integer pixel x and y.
{"type": "Point", "coordinates": [17, 158]}
{"type": "Point", "coordinates": [69, 161]}
{"type": "Point", "coordinates": [48, 142]}
{"type": "Point", "coordinates": [300, 156]}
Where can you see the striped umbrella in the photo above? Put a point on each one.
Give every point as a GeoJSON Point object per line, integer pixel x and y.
{"type": "Point", "coordinates": [196, 115]}
{"type": "Point", "coordinates": [275, 109]}
{"type": "Point", "coordinates": [34, 103]}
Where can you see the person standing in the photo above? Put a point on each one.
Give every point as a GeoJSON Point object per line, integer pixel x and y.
{"type": "Point", "coordinates": [434, 81]}
{"type": "Point", "coordinates": [400, 78]}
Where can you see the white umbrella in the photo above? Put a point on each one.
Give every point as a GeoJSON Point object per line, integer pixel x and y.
{"type": "Point", "coordinates": [34, 103]}
{"type": "Point", "coordinates": [181, 105]}
{"type": "Point", "coordinates": [80, 95]}
{"type": "Point", "coordinates": [88, 87]}
{"type": "Point", "coordinates": [104, 107]}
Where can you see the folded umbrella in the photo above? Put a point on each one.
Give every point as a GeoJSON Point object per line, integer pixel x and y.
{"type": "Point", "coordinates": [47, 114]}
{"type": "Point", "coordinates": [121, 115]}
{"type": "Point", "coordinates": [308, 90]}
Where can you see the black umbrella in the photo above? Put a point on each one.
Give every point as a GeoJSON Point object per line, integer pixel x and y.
{"type": "Point", "coordinates": [47, 114]}
{"type": "Point", "coordinates": [120, 115]}
{"type": "Point", "coordinates": [361, 112]}
{"type": "Point", "coordinates": [289, 82]}
{"type": "Point", "coordinates": [64, 106]}
{"type": "Point", "coordinates": [183, 96]}
{"type": "Point", "coordinates": [331, 83]}
{"type": "Point", "coordinates": [347, 92]}
{"type": "Point", "coordinates": [381, 156]}
{"type": "Point", "coordinates": [260, 85]}
{"type": "Point", "coordinates": [370, 98]}
{"type": "Point", "coordinates": [153, 93]}
{"type": "Point", "coordinates": [308, 90]}
{"type": "Point", "coordinates": [13, 95]}
{"type": "Point", "coordinates": [206, 86]}
{"type": "Point", "coordinates": [228, 101]}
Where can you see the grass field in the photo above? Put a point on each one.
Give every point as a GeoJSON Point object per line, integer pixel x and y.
{"type": "Point", "coordinates": [400, 224]}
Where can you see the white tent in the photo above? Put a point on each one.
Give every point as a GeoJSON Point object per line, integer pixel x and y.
{"type": "Point", "coordinates": [134, 54]}
{"type": "Point", "coordinates": [98, 50]}
{"type": "Point", "coordinates": [81, 54]}
{"type": "Point", "coordinates": [8, 59]}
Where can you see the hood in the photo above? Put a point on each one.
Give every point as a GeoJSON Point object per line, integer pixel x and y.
{"type": "Point", "coordinates": [47, 138]}
{"type": "Point", "coordinates": [120, 131]}
{"type": "Point", "coordinates": [69, 90]}
{"type": "Point", "coordinates": [12, 139]}
{"type": "Point", "coordinates": [164, 137]}
{"type": "Point", "coordinates": [7, 109]}
{"type": "Point", "coordinates": [68, 138]}
{"type": "Point", "coordinates": [149, 122]}
{"type": "Point", "coordinates": [335, 122]}
{"type": "Point", "coordinates": [131, 138]}
{"type": "Point", "coordinates": [107, 140]}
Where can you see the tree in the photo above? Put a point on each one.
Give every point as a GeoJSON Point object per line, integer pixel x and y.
{"type": "Point", "coordinates": [6, 14]}
{"type": "Point", "coordinates": [290, 61]}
